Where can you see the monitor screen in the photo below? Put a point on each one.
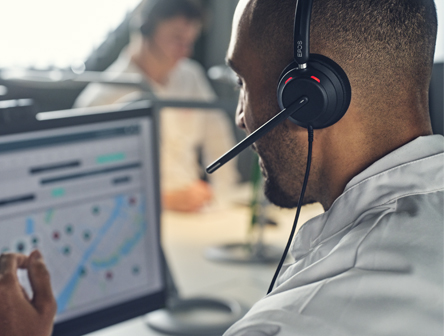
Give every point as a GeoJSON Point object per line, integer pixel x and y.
{"type": "Point", "coordinates": [82, 187]}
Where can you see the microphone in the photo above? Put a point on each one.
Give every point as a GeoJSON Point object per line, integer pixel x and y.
{"type": "Point", "coordinates": [257, 134]}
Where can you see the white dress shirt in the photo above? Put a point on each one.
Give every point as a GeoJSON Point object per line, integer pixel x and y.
{"type": "Point", "coordinates": [182, 130]}
{"type": "Point", "coordinates": [372, 265]}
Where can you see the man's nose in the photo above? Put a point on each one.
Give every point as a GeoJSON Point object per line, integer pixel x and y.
{"type": "Point", "coordinates": [240, 120]}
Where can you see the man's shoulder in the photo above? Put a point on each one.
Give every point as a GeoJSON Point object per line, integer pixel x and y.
{"type": "Point", "coordinates": [386, 267]}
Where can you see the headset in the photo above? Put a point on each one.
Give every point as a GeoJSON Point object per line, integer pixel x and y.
{"type": "Point", "coordinates": [318, 77]}
{"type": "Point", "coordinates": [313, 92]}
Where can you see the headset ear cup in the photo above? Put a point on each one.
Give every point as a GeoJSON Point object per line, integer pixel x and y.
{"type": "Point", "coordinates": [341, 84]}
{"type": "Point", "coordinates": [324, 83]}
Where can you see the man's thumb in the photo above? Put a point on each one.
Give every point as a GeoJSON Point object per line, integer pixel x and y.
{"type": "Point", "coordinates": [43, 298]}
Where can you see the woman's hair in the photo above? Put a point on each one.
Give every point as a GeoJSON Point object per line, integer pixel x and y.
{"type": "Point", "coordinates": [160, 10]}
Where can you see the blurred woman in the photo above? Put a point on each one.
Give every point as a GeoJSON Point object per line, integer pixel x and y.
{"type": "Point", "coordinates": [159, 50]}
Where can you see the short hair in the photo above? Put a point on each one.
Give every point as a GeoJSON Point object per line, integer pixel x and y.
{"type": "Point", "coordinates": [379, 43]}
{"type": "Point", "coordinates": [153, 13]}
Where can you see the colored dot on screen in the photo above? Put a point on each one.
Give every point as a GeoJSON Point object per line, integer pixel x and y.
{"type": "Point", "coordinates": [20, 247]}
{"type": "Point", "coordinates": [56, 235]}
{"type": "Point", "coordinates": [86, 235]}
{"type": "Point", "coordinates": [69, 229]}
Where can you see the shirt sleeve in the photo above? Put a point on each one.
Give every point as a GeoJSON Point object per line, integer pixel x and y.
{"type": "Point", "coordinates": [179, 162]}
{"type": "Point", "coordinates": [217, 137]}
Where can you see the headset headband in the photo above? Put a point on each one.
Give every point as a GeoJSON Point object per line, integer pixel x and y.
{"type": "Point", "coordinates": [301, 34]}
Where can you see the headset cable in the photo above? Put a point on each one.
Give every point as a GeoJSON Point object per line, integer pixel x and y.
{"type": "Point", "coordinates": [301, 197]}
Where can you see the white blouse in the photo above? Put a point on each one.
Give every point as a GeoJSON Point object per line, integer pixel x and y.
{"type": "Point", "coordinates": [182, 130]}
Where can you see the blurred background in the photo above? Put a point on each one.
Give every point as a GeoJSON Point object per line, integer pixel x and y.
{"type": "Point", "coordinates": [47, 43]}
{"type": "Point", "coordinates": [74, 36]}
{"type": "Point", "coordinates": [81, 36]}
{"type": "Point", "coordinates": [88, 35]}
{"type": "Point", "coordinates": [47, 40]}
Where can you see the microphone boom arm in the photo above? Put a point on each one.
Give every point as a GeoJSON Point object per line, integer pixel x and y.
{"type": "Point", "coordinates": [257, 134]}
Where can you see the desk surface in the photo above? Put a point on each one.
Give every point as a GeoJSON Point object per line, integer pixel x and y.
{"type": "Point", "coordinates": [185, 238]}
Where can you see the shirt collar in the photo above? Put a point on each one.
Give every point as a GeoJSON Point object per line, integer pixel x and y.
{"type": "Point", "coordinates": [413, 168]}
{"type": "Point", "coordinates": [419, 148]}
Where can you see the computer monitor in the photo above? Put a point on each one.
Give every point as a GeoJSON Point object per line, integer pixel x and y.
{"type": "Point", "coordinates": [436, 101]}
{"type": "Point", "coordinates": [82, 186]}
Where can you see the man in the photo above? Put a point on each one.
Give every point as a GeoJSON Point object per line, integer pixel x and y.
{"type": "Point", "coordinates": [372, 264]}
{"type": "Point", "coordinates": [159, 50]}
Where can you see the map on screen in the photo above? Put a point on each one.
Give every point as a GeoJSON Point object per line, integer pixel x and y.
{"type": "Point", "coordinates": [82, 197]}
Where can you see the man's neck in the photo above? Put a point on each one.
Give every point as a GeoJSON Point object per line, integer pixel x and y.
{"type": "Point", "coordinates": [353, 153]}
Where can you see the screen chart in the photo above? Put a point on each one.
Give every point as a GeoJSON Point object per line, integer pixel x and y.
{"type": "Point", "coordinates": [84, 197]}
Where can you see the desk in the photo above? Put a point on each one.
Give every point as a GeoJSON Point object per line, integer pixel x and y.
{"type": "Point", "coordinates": [185, 238]}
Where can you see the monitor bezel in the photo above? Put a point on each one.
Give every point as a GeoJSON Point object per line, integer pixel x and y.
{"type": "Point", "coordinates": [76, 117]}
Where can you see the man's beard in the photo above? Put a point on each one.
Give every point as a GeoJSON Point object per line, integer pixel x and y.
{"type": "Point", "coordinates": [283, 170]}
{"type": "Point", "coordinates": [278, 196]}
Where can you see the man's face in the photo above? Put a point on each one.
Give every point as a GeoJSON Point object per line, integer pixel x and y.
{"type": "Point", "coordinates": [282, 151]}
{"type": "Point", "coordinates": [175, 37]}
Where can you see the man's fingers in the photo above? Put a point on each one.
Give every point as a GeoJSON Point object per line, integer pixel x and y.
{"type": "Point", "coordinates": [9, 262]}
{"type": "Point", "coordinates": [25, 294]}
{"type": "Point", "coordinates": [43, 299]}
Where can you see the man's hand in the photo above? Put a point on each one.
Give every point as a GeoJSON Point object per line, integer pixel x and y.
{"type": "Point", "coordinates": [20, 315]}
{"type": "Point", "coordinates": [190, 199]}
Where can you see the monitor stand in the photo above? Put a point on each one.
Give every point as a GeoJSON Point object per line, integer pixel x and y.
{"type": "Point", "coordinates": [198, 316]}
